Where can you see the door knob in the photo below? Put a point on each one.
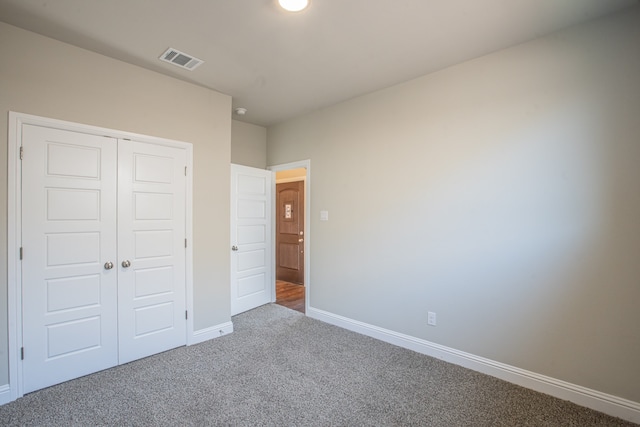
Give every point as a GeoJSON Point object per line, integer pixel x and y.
{"type": "Point", "coordinates": [300, 240]}
{"type": "Point", "coordinates": [126, 263]}
{"type": "Point", "coordinates": [234, 248]}
{"type": "Point", "coordinates": [108, 265]}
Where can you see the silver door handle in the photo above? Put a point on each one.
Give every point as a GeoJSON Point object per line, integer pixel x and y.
{"type": "Point", "coordinates": [300, 240]}
{"type": "Point", "coordinates": [108, 265]}
{"type": "Point", "coordinates": [234, 248]}
{"type": "Point", "coordinates": [126, 263]}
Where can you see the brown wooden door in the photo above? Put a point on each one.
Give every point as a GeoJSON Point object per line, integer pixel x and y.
{"type": "Point", "coordinates": [290, 232]}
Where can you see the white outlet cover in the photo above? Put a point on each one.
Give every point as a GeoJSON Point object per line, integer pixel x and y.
{"type": "Point", "coordinates": [324, 215]}
{"type": "Point", "coordinates": [431, 318]}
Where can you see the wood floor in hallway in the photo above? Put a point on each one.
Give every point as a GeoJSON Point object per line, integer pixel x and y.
{"type": "Point", "coordinates": [290, 295]}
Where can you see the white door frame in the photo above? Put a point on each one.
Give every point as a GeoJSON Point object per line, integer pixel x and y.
{"type": "Point", "coordinates": [14, 227]}
{"type": "Point", "coordinates": [307, 225]}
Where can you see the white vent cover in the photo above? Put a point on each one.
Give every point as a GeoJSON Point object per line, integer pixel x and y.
{"type": "Point", "coordinates": [181, 59]}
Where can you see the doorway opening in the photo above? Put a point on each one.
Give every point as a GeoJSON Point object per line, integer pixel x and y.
{"type": "Point", "coordinates": [291, 237]}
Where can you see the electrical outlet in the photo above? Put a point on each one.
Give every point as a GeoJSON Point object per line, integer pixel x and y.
{"type": "Point", "coordinates": [431, 318]}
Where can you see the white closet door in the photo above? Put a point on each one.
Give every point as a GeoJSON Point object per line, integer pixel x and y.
{"type": "Point", "coordinates": [151, 244]}
{"type": "Point", "coordinates": [68, 234]}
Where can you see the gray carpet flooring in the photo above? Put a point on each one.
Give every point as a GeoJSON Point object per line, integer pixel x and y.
{"type": "Point", "coordinates": [280, 368]}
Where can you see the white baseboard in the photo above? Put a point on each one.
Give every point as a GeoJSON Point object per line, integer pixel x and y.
{"type": "Point", "coordinates": [210, 333]}
{"type": "Point", "coordinates": [5, 394]}
{"type": "Point", "coordinates": [609, 404]}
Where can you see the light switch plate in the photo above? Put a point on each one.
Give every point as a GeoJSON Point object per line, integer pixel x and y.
{"type": "Point", "coordinates": [324, 215]}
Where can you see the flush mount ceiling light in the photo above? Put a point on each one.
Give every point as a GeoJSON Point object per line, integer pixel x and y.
{"type": "Point", "coordinates": [294, 5]}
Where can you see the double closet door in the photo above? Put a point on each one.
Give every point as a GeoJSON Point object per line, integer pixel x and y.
{"type": "Point", "coordinates": [103, 268]}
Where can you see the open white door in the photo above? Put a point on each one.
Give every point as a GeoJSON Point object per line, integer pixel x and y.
{"type": "Point", "coordinates": [251, 246]}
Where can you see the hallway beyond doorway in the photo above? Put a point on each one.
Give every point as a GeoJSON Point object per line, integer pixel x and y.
{"type": "Point", "coordinates": [290, 295]}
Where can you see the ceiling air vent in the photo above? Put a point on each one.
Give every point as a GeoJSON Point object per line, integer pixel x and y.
{"type": "Point", "coordinates": [181, 59]}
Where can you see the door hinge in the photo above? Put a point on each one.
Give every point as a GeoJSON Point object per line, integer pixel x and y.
{"type": "Point", "coordinates": [185, 171]}
{"type": "Point", "coordinates": [186, 314]}
{"type": "Point", "coordinates": [21, 152]}
{"type": "Point", "coordinates": [21, 252]}
{"type": "Point", "coordinates": [185, 243]}
{"type": "Point", "coordinates": [21, 353]}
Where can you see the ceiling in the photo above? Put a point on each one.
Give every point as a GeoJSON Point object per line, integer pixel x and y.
{"type": "Point", "coordinates": [280, 65]}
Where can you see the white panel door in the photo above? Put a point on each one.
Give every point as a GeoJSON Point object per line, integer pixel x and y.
{"type": "Point", "coordinates": [151, 249]}
{"type": "Point", "coordinates": [69, 296]}
{"type": "Point", "coordinates": [251, 263]}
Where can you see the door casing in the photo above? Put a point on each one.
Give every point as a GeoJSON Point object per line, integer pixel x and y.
{"type": "Point", "coordinates": [14, 227]}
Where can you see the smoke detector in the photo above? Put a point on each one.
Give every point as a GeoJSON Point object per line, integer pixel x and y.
{"type": "Point", "coordinates": [181, 59]}
{"type": "Point", "coordinates": [241, 111]}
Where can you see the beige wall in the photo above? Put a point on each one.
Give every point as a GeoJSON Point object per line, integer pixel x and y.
{"type": "Point", "coordinates": [501, 194]}
{"type": "Point", "coordinates": [291, 174]}
{"type": "Point", "coordinates": [44, 77]}
{"type": "Point", "coordinates": [248, 144]}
